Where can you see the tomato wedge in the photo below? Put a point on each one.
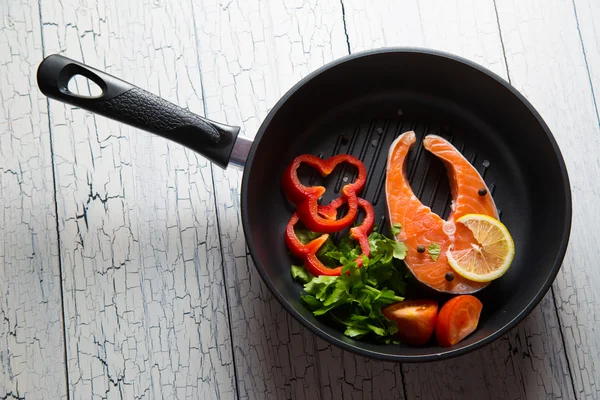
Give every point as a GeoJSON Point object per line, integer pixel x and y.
{"type": "Point", "coordinates": [415, 318]}
{"type": "Point", "coordinates": [458, 318]}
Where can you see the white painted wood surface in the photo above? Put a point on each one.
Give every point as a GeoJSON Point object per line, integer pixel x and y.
{"type": "Point", "coordinates": [32, 361]}
{"type": "Point", "coordinates": [251, 53]}
{"type": "Point", "coordinates": [160, 300]}
{"type": "Point", "coordinates": [546, 62]}
{"type": "Point", "coordinates": [143, 282]}
{"type": "Point", "coordinates": [529, 362]}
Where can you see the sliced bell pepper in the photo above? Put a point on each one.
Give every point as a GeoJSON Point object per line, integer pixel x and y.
{"type": "Point", "coordinates": [308, 252]}
{"type": "Point", "coordinates": [306, 198]}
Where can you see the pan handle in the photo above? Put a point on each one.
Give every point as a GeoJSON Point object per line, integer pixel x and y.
{"type": "Point", "coordinates": [133, 106]}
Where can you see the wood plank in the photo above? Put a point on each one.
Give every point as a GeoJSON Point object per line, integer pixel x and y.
{"type": "Point", "coordinates": [251, 53]}
{"type": "Point", "coordinates": [143, 283]}
{"type": "Point", "coordinates": [582, 327]}
{"type": "Point", "coordinates": [32, 363]}
{"type": "Point", "coordinates": [465, 28]}
{"type": "Point", "coordinates": [544, 43]}
{"type": "Point", "coordinates": [528, 362]}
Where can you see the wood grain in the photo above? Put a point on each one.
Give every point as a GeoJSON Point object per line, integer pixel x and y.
{"type": "Point", "coordinates": [32, 363]}
{"type": "Point", "coordinates": [465, 28]}
{"type": "Point", "coordinates": [544, 49]}
{"type": "Point", "coordinates": [579, 325]}
{"type": "Point", "coordinates": [143, 284]}
{"type": "Point", "coordinates": [529, 362]}
{"type": "Point", "coordinates": [251, 53]}
{"type": "Point", "coordinates": [145, 226]}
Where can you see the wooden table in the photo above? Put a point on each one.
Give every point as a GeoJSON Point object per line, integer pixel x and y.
{"type": "Point", "coordinates": [123, 266]}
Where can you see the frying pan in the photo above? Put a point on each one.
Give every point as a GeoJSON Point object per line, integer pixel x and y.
{"type": "Point", "coordinates": [358, 105]}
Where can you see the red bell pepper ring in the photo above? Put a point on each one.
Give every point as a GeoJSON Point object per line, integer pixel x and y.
{"type": "Point", "coordinates": [306, 198]}
{"type": "Point", "coordinates": [308, 252]}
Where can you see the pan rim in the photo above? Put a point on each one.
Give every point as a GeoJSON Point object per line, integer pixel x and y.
{"type": "Point", "coordinates": [451, 353]}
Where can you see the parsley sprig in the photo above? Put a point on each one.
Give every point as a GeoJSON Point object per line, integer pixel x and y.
{"type": "Point", "coordinates": [355, 298]}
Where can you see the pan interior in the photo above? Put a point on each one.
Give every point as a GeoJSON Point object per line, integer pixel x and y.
{"type": "Point", "coordinates": [359, 107]}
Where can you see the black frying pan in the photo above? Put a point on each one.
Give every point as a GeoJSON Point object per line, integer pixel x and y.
{"type": "Point", "coordinates": [358, 105]}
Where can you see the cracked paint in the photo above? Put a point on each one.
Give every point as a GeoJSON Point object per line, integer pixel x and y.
{"type": "Point", "coordinates": [31, 325]}
{"type": "Point", "coordinates": [250, 54]}
{"type": "Point", "coordinates": [146, 300]}
{"type": "Point", "coordinates": [530, 361]}
{"type": "Point", "coordinates": [550, 68]}
{"type": "Point", "coordinates": [143, 291]}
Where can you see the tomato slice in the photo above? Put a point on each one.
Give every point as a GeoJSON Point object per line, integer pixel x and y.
{"type": "Point", "coordinates": [415, 318]}
{"type": "Point", "coordinates": [458, 318]}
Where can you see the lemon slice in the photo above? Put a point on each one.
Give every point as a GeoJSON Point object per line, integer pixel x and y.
{"type": "Point", "coordinates": [490, 257]}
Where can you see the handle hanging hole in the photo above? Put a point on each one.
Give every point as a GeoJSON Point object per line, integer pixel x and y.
{"type": "Point", "coordinates": [84, 87]}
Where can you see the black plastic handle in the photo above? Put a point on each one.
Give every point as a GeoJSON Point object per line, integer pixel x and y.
{"type": "Point", "coordinates": [131, 105]}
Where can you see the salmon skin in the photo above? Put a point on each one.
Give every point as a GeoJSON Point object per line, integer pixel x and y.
{"type": "Point", "coordinates": [421, 226]}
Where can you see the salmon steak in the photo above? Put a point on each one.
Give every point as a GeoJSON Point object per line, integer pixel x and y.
{"type": "Point", "coordinates": [421, 228]}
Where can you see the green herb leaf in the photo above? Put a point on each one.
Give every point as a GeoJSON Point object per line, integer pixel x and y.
{"type": "Point", "coordinates": [434, 251]}
{"type": "Point", "coordinates": [379, 331]}
{"type": "Point", "coordinates": [392, 341]}
{"type": "Point", "coordinates": [311, 301]}
{"type": "Point", "coordinates": [319, 286]}
{"type": "Point", "coordinates": [356, 297]}
{"type": "Point", "coordinates": [399, 250]}
{"type": "Point", "coordinates": [388, 249]}
{"type": "Point", "coordinates": [340, 294]}
{"type": "Point", "coordinates": [329, 254]}
{"type": "Point", "coordinates": [349, 267]}
{"type": "Point", "coordinates": [352, 331]}
{"type": "Point", "coordinates": [305, 236]}
{"type": "Point", "coordinates": [323, 310]}
{"type": "Point", "coordinates": [300, 274]}
{"type": "Point", "coordinates": [355, 318]}
{"type": "Point", "coordinates": [365, 260]}
{"type": "Point", "coordinates": [389, 295]}
{"type": "Point", "coordinates": [392, 328]}
{"type": "Point", "coordinates": [347, 245]}
{"type": "Point", "coordinates": [335, 255]}
{"type": "Point", "coordinates": [396, 228]}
